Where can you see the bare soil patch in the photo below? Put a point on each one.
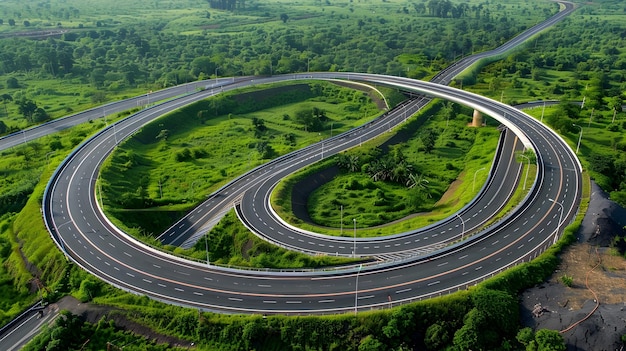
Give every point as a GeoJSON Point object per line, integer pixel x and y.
{"type": "Point", "coordinates": [591, 314]}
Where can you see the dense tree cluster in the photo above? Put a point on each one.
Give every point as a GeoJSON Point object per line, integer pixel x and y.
{"type": "Point", "coordinates": [128, 56]}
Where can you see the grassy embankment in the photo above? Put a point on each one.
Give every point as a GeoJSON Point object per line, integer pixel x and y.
{"type": "Point", "coordinates": [32, 265]}
{"type": "Point", "coordinates": [173, 163]}
{"type": "Point", "coordinates": [382, 208]}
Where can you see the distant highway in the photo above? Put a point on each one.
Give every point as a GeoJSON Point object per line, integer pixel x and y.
{"type": "Point", "coordinates": [100, 112]}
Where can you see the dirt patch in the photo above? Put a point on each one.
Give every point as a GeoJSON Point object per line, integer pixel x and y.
{"type": "Point", "coordinates": [447, 199]}
{"type": "Point", "coordinates": [591, 314]}
{"type": "Point", "coordinates": [608, 278]}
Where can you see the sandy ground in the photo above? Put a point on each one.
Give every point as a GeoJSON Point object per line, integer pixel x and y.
{"type": "Point", "coordinates": [599, 285]}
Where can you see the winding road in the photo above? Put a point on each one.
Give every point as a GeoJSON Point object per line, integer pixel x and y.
{"type": "Point", "coordinates": [76, 222]}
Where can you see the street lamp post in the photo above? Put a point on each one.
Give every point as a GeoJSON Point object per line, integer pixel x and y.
{"type": "Point", "coordinates": [354, 247]}
{"type": "Point", "coordinates": [580, 137]}
{"type": "Point", "coordinates": [463, 228]}
{"type": "Point", "coordinates": [474, 183]}
{"type": "Point", "coordinates": [527, 169]}
{"type": "Point", "coordinates": [556, 232]}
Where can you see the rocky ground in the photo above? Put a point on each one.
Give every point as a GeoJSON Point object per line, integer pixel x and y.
{"type": "Point", "coordinates": [592, 312]}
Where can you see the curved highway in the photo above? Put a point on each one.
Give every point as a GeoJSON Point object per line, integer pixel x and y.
{"type": "Point", "coordinates": [72, 214]}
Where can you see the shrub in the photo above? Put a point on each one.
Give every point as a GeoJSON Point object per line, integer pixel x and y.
{"type": "Point", "coordinates": [567, 280]}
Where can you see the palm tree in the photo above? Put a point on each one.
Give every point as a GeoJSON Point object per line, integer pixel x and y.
{"type": "Point", "coordinates": [419, 182]}
{"type": "Point", "coordinates": [353, 163]}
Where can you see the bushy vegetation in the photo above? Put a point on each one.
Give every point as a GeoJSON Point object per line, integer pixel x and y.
{"type": "Point", "coordinates": [174, 162]}
{"type": "Point", "coordinates": [71, 332]}
{"type": "Point", "coordinates": [405, 175]}
{"type": "Point", "coordinates": [106, 52]}
{"type": "Point", "coordinates": [415, 179]}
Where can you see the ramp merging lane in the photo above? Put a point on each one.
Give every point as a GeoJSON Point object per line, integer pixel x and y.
{"type": "Point", "coordinates": [76, 222]}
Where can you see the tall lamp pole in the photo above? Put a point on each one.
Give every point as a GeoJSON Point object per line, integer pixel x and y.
{"type": "Point", "coordinates": [463, 228]}
{"type": "Point", "coordinates": [474, 183]}
{"type": "Point", "coordinates": [580, 137]}
{"type": "Point", "coordinates": [527, 169]}
{"type": "Point", "coordinates": [206, 243]}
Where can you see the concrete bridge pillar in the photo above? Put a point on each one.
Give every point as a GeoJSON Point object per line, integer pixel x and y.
{"type": "Point", "coordinates": [477, 119]}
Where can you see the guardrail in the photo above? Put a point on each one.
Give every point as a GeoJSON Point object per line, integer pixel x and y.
{"type": "Point", "coordinates": [33, 308]}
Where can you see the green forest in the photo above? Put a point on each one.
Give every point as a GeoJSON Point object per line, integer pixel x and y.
{"type": "Point", "coordinates": [59, 57]}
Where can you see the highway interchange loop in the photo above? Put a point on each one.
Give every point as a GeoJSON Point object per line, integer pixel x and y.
{"type": "Point", "coordinates": [87, 237]}
{"type": "Point", "coordinates": [73, 215]}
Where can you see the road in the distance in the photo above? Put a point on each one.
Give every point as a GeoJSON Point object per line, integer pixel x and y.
{"type": "Point", "coordinates": [142, 101]}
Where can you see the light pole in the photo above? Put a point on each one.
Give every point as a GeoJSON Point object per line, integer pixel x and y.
{"type": "Point", "coordinates": [474, 183]}
{"type": "Point", "coordinates": [527, 168]}
{"type": "Point", "coordinates": [463, 224]}
{"type": "Point", "coordinates": [354, 247]}
{"type": "Point", "coordinates": [556, 232]}
{"type": "Point", "coordinates": [580, 137]}
{"type": "Point", "coordinates": [356, 290]}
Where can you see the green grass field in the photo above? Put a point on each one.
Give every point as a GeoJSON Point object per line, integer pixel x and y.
{"type": "Point", "coordinates": [447, 184]}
